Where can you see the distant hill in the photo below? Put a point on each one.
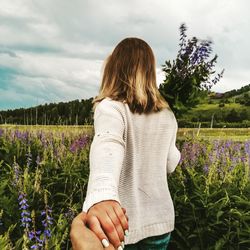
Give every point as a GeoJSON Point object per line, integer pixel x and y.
{"type": "Point", "coordinates": [229, 109]}
{"type": "Point", "coordinates": [232, 93]}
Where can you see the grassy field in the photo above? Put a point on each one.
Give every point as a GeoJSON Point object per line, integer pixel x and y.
{"type": "Point", "coordinates": [215, 106]}
{"type": "Point", "coordinates": [240, 134]}
{"type": "Point", "coordinates": [44, 173]}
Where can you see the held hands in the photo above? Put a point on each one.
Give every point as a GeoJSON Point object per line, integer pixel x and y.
{"type": "Point", "coordinates": [107, 219]}
{"type": "Point", "coordinates": [82, 238]}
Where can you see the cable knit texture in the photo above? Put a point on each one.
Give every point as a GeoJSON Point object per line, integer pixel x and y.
{"type": "Point", "coordinates": [130, 158]}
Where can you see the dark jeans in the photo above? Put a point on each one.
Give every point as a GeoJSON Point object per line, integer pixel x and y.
{"type": "Point", "coordinates": [158, 242]}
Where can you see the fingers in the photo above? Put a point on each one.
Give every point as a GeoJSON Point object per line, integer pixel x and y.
{"type": "Point", "coordinates": [122, 217]}
{"type": "Point", "coordinates": [112, 230]}
{"type": "Point", "coordinates": [82, 237]}
{"type": "Point", "coordinates": [117, 224]}
{"type": "Point", "coordinates": [108, 220]}
{"type": "Point", "coordinates": [124, 211]}
{"type": "Point", "coordinates": [95, 226]}
{"type": "Point", "coordinates": [105, 224]}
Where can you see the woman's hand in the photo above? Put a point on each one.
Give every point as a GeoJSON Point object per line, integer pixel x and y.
{"type": "Point", "coordinates": [83, 238]}
{"type": "Point", "coordinates": [107, 219]}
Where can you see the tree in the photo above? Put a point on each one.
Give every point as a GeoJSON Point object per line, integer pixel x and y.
{"type": "Point", "coordinates": [233, 116]}
{"type": "Point", "coordinates": [188, 77]}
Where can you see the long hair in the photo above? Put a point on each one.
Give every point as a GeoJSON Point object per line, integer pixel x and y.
{"type": "Point", "coordinates": [130, 76]}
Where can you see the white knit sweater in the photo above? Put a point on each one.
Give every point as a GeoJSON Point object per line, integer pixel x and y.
{"type": "Point", "coordinates": [130, 157]}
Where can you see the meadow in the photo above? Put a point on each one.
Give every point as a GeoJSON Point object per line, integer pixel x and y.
{"type": "Point", "coordinates": [44, 173]}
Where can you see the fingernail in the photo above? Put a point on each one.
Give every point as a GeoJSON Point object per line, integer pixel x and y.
{"type": "Point", "coordinates": [105, 243]}
{"type": "Point", "coordinates": [120, 248]}
{"type": "Point", "coordinates": [126, 232]}
{"type": "Point", "coordinates": [123, 245]}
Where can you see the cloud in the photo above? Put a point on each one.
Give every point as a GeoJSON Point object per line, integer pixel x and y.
{"type": "Point", "coordinates": [53, 50]}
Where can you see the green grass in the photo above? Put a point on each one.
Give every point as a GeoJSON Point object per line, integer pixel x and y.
{"type": "Point", "coordinates": [236, 134]}
{"type": "Point", "coordinates": [215, 106]}
{"type": "Point", "coordinates": [239, 134]}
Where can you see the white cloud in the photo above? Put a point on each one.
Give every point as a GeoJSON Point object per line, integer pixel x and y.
{"type": "Point", "coordinates": [56, 48]}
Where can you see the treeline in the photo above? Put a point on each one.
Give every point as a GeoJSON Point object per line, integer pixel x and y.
{"type": "Point", "coordinates": [63, 113]}
{"type": "Point", "coordinates": [80, 113]}
{"type": "Point", "coordinates": [236, 92]}
{"type": "Point", "coordinates": [217, 118]}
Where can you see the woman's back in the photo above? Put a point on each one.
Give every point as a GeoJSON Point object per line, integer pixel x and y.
{"type": "Point", "coordinates": [144, 151]}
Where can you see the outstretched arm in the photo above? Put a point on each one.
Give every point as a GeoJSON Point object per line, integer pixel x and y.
{"type": "Point", "coordinates": [102, 205]}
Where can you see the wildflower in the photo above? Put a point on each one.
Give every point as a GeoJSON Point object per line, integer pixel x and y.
{"type": "Point", "coordinates": [1, 215]}
{"type": "Point", "coordinates": [38, 160]}
{"type": "Point", "coordinates": [16, 173]}
{"type": "Point", "coordinates": [29, 157]}
{"type": "Point", "coordinates": [79, 144]}
{"type": "Point", "coordinates": [23, 206]}
{"type": "Point", "coordinates": [34, 235]}
{"type": "Point", "coordinates": [1, 132]}
{"type": "Point", "coordinates": [206, 168]}
{"type": "Point", "coordinates": [70, 214]}
{"type": "Point", "coordinates": [47, 221]}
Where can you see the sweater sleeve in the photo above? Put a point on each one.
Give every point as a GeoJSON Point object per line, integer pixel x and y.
{"type": "Point", "coordinates": [106, 155]}
{"type": "Point", "coordinates": [174, 154]}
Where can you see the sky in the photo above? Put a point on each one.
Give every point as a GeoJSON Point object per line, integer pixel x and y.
{"type": "Point", "coordinates": [53, 51]}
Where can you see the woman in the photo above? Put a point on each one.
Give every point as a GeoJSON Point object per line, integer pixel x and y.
{"type": "Point", "coordinates": [132, 152]}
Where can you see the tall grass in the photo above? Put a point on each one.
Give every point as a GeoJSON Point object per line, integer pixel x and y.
{"type": "Point", "coordinates": [43, 180]}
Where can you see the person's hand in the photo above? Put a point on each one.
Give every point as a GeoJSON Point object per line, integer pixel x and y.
{"type": "Point", "coordinates": [82, 238]}
{"type": "Point", "coordinates": [108, 220]}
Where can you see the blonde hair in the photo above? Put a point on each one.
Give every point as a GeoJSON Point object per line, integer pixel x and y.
{"type": "Point", "coordinates": [130, 76]}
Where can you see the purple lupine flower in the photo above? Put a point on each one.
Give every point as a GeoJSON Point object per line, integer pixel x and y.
{"type": "Point", "coordinates": [1, 132]}
{"type": "Point", "coordinates": [35, 236]}
{"type": "Point", "coordinates": [47, 221]}
{"type": "Point", "coordinates": [38, 160]}
{"type": "Point", "coordinates": [1, 215]}
{"type": "Point", "coordinates": [16, 174]}
{"type": "Point", "coordinates": [41, 137]}
{"type": "Point", "coordinates": [206, 168]}
{"type": "Point", "coordinates": [25, 135]}
{"type": "Point", "coordinates": [23, 206]}
{"type": "Point", "coordinates": [29, 158]}
{"type": "Point", "coordinates": [70, 214]}
{"type": "Point", "coordinates": [183, 35]}
{"type": "Point", "coordinates": [79, 143]}
{"type": "Point", "coordinates": [247, 147]}
{"type": "Point", "coordinates": [18, 134]}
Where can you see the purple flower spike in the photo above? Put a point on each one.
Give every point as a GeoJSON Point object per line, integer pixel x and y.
{"type": "Point", "coordinates": [25, 214]}
{"type": "Point", "coordinates": [47, 221]}
{"type": "Point", "coordinates": [1, 132]}
{"type": "Point", "coordinates": [29, 158]}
